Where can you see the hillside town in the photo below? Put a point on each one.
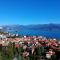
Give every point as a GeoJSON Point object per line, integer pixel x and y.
{"type": "Point", "coordinates": [15, 47]}
{"type": "Point", "coordinates": [29, 29]}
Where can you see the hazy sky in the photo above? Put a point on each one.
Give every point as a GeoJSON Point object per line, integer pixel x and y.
{"type": "Point", "coordinates": [29, 11]}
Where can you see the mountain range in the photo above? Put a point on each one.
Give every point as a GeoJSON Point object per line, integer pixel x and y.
{"type": "Point", "coordinates": [43, 27]}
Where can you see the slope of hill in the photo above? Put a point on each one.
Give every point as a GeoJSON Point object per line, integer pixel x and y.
{"type": "Point", "coordinates": [44, 27]}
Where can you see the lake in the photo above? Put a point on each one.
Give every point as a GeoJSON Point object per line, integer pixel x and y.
{"type": "Point", "coordinates": [48, 34]}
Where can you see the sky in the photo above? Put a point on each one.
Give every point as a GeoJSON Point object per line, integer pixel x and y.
{"type": "Point", "coordinates": [26, 12]}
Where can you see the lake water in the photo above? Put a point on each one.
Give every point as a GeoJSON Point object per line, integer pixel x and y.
{"type": "Point", "coordinates": [48, 34]}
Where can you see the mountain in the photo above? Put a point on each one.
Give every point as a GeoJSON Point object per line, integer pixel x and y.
{"type": "Point", "coordinates": [43, 27]}
{"type": "Point", "coordinates": [47, 27]}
